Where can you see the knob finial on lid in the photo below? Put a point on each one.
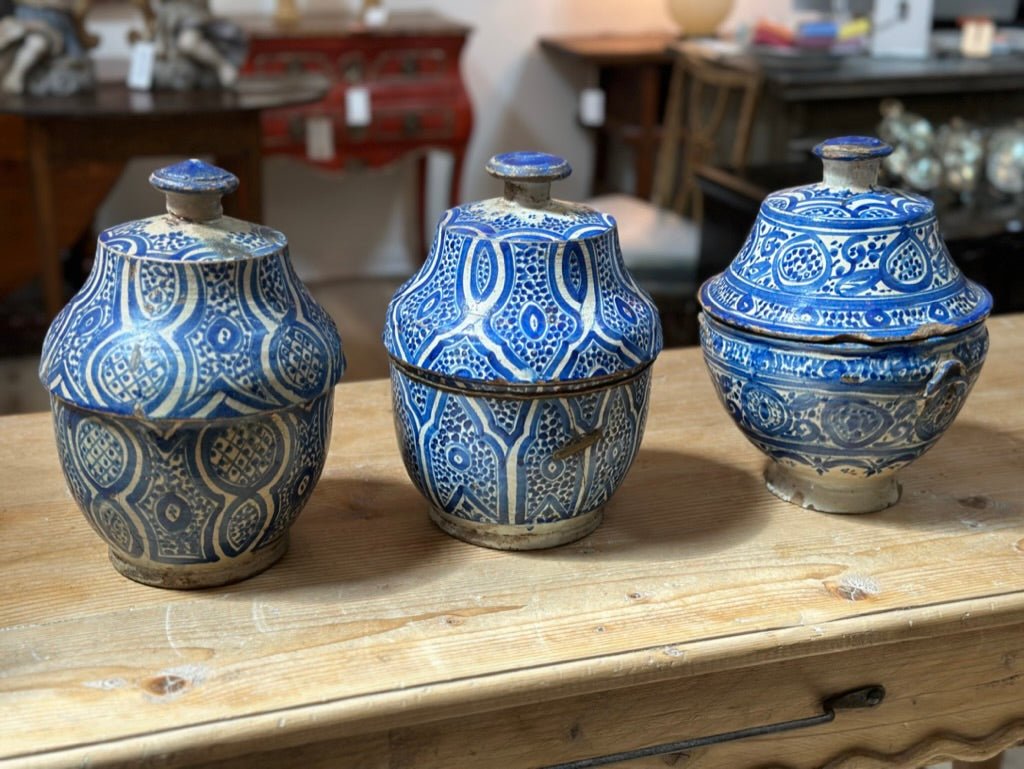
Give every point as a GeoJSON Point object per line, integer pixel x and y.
{"type": "Point", "coordinates": [528, 175]}
{"type": "Point", "coordinates": [852, 162]}
{"type": "Point", "coordinates": [194, 188]}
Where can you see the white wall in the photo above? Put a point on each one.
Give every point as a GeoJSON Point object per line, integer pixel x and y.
{"type": "Point", "coordinates": [342, 225]}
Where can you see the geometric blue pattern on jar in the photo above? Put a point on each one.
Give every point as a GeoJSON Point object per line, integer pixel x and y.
{"type": "Point", "coordinates": [841, 411]}
{"type": "Point", "coordinates": [518, 462]}
{"type": "Point", "coordinates": [191, 380]}
{"type": "Point", "coordinates": [520, 355]}
{"type": "Point", "coordinates": [846, 259]}
{"type": "Point", "coordinates": [192, 493]}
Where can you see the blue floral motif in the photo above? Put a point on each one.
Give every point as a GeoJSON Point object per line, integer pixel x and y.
{"type": "Point", "coordinates": [842, 408]}
{"type": "Point", "coordinates": [820, 283]}
{"type": "Point", "coordinates": [842, 205]}
{"type": "Point", "coordinates": [833, 261]}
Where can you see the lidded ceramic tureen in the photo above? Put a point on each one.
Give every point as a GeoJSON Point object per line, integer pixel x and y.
{"type": "Point", "coordinates": [842, 338]}
{"type": "Point", "coordinates": [520, 360]}
{"type": "Point", "coordinates": [191, 382]}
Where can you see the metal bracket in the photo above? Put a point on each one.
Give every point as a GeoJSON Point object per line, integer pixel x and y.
{"type": "Point", "coordinates": [865, 697]}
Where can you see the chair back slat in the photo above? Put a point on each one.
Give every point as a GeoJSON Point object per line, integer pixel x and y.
{"type": "Point", "coordinates": [706, 103]}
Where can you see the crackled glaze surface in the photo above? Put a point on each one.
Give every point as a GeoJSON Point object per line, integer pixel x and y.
{"type": "Point", "coordinates": [191, 380]}
{"type": "Point", "coordinates": [520, 363]}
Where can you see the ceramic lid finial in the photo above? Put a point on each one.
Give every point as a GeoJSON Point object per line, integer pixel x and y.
{"type": "Point", "coordinates": [852, 162]}
{"type": "Point", "coordinates": [528, 175]}
{"type": "Point", "coordinates": [194, 189]}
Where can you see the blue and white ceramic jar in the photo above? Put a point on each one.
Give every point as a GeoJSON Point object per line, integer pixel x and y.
{"type": "Point", "coordinates": [520, 364]}
{"type": "Point", "coordinates": [842, 339]}
{"type": "Point", "coordinates": [191, 381]}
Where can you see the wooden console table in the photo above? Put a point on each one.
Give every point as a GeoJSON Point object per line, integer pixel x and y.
{"type": "Point", "coordinates": [410, 70]}
{"type": "Point", "coordinates": [801, 104]}
{"type": "Point", "coordinates": [702, 605]}
{"type": "Point", "coordinates": [633, 72]}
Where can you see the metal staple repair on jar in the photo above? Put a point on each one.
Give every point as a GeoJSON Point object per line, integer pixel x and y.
{"type": "Point", "coordinates": [520, 364]}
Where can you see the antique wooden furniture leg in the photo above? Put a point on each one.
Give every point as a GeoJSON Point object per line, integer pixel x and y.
{"type": "Point", "coordinates": [37, 137]}
{"type": "Point", "coordinates": [245, 162]}
{"type": "Point", "coordinates": [422, 239]}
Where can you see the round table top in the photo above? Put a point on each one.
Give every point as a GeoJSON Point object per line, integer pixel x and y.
{"type": "Point", "coordinates": [117, 100]}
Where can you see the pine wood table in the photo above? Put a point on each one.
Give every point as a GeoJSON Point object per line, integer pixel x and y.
{"type": "Point", "coordinates": [702, 605]}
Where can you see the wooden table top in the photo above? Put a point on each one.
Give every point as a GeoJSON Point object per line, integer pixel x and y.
{"type": "Point", "coordinates": [819, 77]}
{"type": "Point", "coordinates": [252, 93]}
{"type": "Point", "coordinates": [348, 24]}
{"type": "Point", "coordinates": [614, 48]}
{"type": "Point", "coordinates": [376, 619]}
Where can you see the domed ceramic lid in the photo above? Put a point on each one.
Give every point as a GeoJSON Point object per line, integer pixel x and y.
{"type": "Point", "coordinates": [523, 290]}
{"type": "Point", "coordinates": [191, 315]}
{"type": "Point", "coordinates": [194, 229]}
{"type": "Point", "coordinates": [845, 259]}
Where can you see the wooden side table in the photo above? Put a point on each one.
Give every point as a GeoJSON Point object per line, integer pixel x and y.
{"type": "Point", "coordinates": [65, 136]}
{"type": "Point", "coordinates": [633, 71]}
{"type": "Point", "coordinates": [702, 605]}
{"type": "Point", "coordinates": [409, 69]}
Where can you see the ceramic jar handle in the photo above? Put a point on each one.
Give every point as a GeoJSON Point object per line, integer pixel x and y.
{"type": "Point", "coordinates": [194, 189]}
{"type": "Point", "coordinates": [944, 372]}
{"type": "Point", "coordinates": [852, 162]}
{"type": "Point", "coordinates": [528, 175]}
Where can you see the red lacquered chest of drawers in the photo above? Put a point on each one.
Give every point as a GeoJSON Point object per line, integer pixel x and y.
{"type": "Point", "coordinates": [409, 68]}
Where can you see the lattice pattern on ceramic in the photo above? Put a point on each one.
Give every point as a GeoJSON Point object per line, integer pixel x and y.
{"type": "Point", "coordinates": [498, 460]}
{"type": "Point", "coordinates": [853, 407]}
{"type": "Point", "coordinates": [191, 340]}
{"type": "Point", "coordinates": [192, 492]}
{"type": "Point", "coordinates": [520, 311]}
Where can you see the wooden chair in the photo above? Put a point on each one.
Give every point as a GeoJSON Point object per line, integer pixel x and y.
{"type": "Point", "coordinates": [660, 237]}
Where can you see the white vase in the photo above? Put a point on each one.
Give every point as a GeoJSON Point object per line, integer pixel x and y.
{"type": "Point", "coordinates": [699, 18]}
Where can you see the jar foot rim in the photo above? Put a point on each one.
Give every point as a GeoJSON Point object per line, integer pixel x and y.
{"type": "Point", "coordinates": [200, 575]}
{"type": "Point", "coordinates": [518, 537]}
{"type": "Point", "coordinates": [831, 493]}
